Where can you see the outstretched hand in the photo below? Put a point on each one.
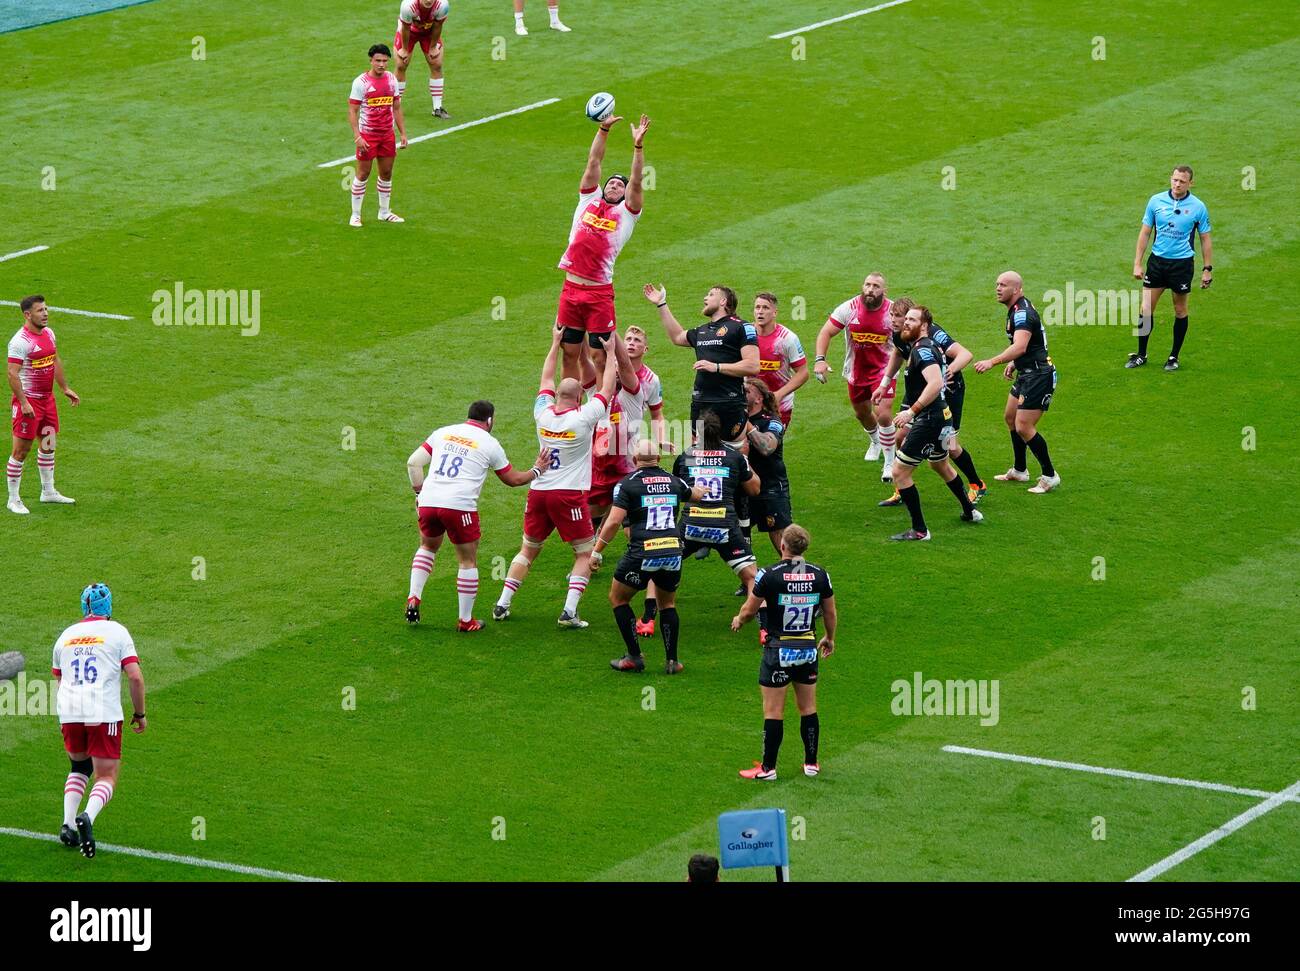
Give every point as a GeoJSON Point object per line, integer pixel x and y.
{"type": "Point", "coordinates": [655, 294]}
{"type": "Point", "coordinates": [638, 131]}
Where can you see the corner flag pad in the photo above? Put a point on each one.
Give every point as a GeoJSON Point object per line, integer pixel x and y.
{"type": "Point", "coordinates": [755, 837]}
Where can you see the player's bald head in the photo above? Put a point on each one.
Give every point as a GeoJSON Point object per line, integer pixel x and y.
{"type": "Point", "coordinates": [645, 452]}
{"type": "Point", "coordinates": [569, 389]}
{"type": "Point", "coordinates": [1009, 287]}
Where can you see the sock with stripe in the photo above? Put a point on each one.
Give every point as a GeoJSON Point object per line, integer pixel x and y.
{"type": "Point", "coordinates": [385, 194]}
{"type": "Point", "coordinates": [13, 476]}
{"type": "Point", "coordinates": [773, 733]}
{"type": "Point", "coordinates": [435, 92]}
{"type": "Point", "coordinates": [577, 587]}
{"type": "Point", "coordinates": [512, 584]}
{"type": "Point", "coordinates": [669, 627]}
{"type": "Point", "coordinates": [421, 567]}
{"type": "Point", "coordinates": [874, 434]}
{"type": "Point", "coordinates": [73, 789]}
{"type": "Point", "coordinates": [401, 89]}
{"type": "Point", "coordinates": [100, 796]}
{"type": "Point", "coordinates": [358, 196]}
{"type": "Point", "coordinates": [888, 435]}
{"type": "Point", "coordinates": [466, 591]}
{"type": "Point", "coordinates": [625, 618]}
{"type": "Point", "coordinates": [810, 729]}
{"type": "Point", "coordinates": [45, 466]}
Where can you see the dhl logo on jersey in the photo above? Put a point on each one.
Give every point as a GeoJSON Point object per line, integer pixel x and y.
{"type": "Point", "coordinates": [79, 641]}
{"type": "Point", "coordinates": [379, 101]}
{"type": "Point", "coordinates": [557, 436]}
{"type": "Point", "coordinates": [769, 365]}
{"type": "Point", "coordinates": [599, 222]}
{"type": "Point", "coordinates": [47, 361]}
{"type": "Point", "coordinates": [467, 442]}
{"type": "Point", "coordinates": [866, 337]}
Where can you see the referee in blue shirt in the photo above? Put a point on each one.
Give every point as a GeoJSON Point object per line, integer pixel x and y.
{"type": "Point", "coordinates": [1172, 218]}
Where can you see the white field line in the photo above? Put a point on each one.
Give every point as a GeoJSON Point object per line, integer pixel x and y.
{"type": "Point", "coordinates": [252, 871]}
{"type": "Point", "coordinates": [69, 310]}
{"type": "Point", "coordinates": [836, 20]}
{"type": "Point", "coordinates": [23, 252]}
{"type": "Point", "coordinates": [1290, 795]}
{"type": "Point", "coordinates": [447, 131]}
{"type": "Point", "coordinates": [1209, 839]}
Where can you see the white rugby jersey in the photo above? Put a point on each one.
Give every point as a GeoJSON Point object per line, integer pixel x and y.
{"type": "Point", "coordinates": [461, 457]}
{"type": "Point", "coordinates": [566, 435]}
{"type": "Point", "coordinates": [88, 660]}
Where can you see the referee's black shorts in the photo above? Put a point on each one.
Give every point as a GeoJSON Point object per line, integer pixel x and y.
{"type": "Point", "coordinates": [1165, 274]}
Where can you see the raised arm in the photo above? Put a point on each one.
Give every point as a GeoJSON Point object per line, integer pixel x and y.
{"type": "Point", "coordinates": [659, 297]}
{"type": "Point", "coordinates": [626, 372]}
{"type": "Point", "coordinates": [548, 366]}
{"type": "Point", "coordinates": [609, 378]}
{"type": "Point", "coordinates": [634, 195]}
{"type": "Point", "coordinates": [591, 174]}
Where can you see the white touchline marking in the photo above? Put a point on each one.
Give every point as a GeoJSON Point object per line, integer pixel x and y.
{"type": "Point", "coordinates": [468, 124]}
{"type": "Point", "coordinates": [1209, 839]}
{"type": "Point", "coordinates": [22, 252]}
{"type": "Point", "coordinates": [69, 310]}
{"type": "Point", "coordinates": [836, 20]}
{"type": "Point", "coordinates": [252, 871]}
{"type": "Point", "coordinates": [1121, 773]}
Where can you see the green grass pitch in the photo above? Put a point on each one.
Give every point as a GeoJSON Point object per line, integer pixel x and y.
{"type": "Point", "coordinates": [143, 165]}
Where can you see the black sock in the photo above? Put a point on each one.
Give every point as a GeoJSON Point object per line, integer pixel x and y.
{"type": "Point", "coordinates": [651, 607]}
{"type": "Point", "coordinates": [1180, 332]}
{"type": "Point", "coordinates": [810, 728]}
{"type": "Point", "coordinates": [773, 731]}
{"type": "Point", "coordinates": [912, 500]}
{"type": "Point", "coordinates": [1039, 446]}
{"type": "Point", "coordinates": [1018, 448]}
{"type": "Point", "coordinates": [959, 490]}
{"type": "Point", "coordinates": [625, 617]}
{"type": "Point", "coordinates": [1145, 326]}
{"type": "Point", "coordinates": [967, 466]}
{"type": "Point", "coordinates": [668, 627]}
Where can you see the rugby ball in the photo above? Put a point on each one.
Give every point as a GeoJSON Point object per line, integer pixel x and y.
{"type": "Point", "coordinates": [600, 106]}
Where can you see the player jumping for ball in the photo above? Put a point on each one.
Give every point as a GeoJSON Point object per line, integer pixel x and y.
{"type": "Point", "coordinates": [34, 369]}
{"type": "Point", "coordinates": [90, 658]}
{"type": "Point", "coordinates": [420, 22]}
{"type": "Point", "coordinates": [602, 225]}
{"type": "Point", "coordinates": [458, 458]}
{"type": "Point", "coordinates": [374, 106]}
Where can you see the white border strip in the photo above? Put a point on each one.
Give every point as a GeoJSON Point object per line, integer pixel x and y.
{"type": "Point", "coordinates": [1209, 839]}
{"type": "Point", "coordinates": [464, 125]}
{"type": "Point", "coordinates": [69, 310]}
{"type": "Point", "coordinates": [23, 252]}
{"type": "Point", "coordinates": [252, 871]}
{"type": "Point", "coordinates": [1124, 773]}
{"type": "Point", "coordinates": [836, 20]}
